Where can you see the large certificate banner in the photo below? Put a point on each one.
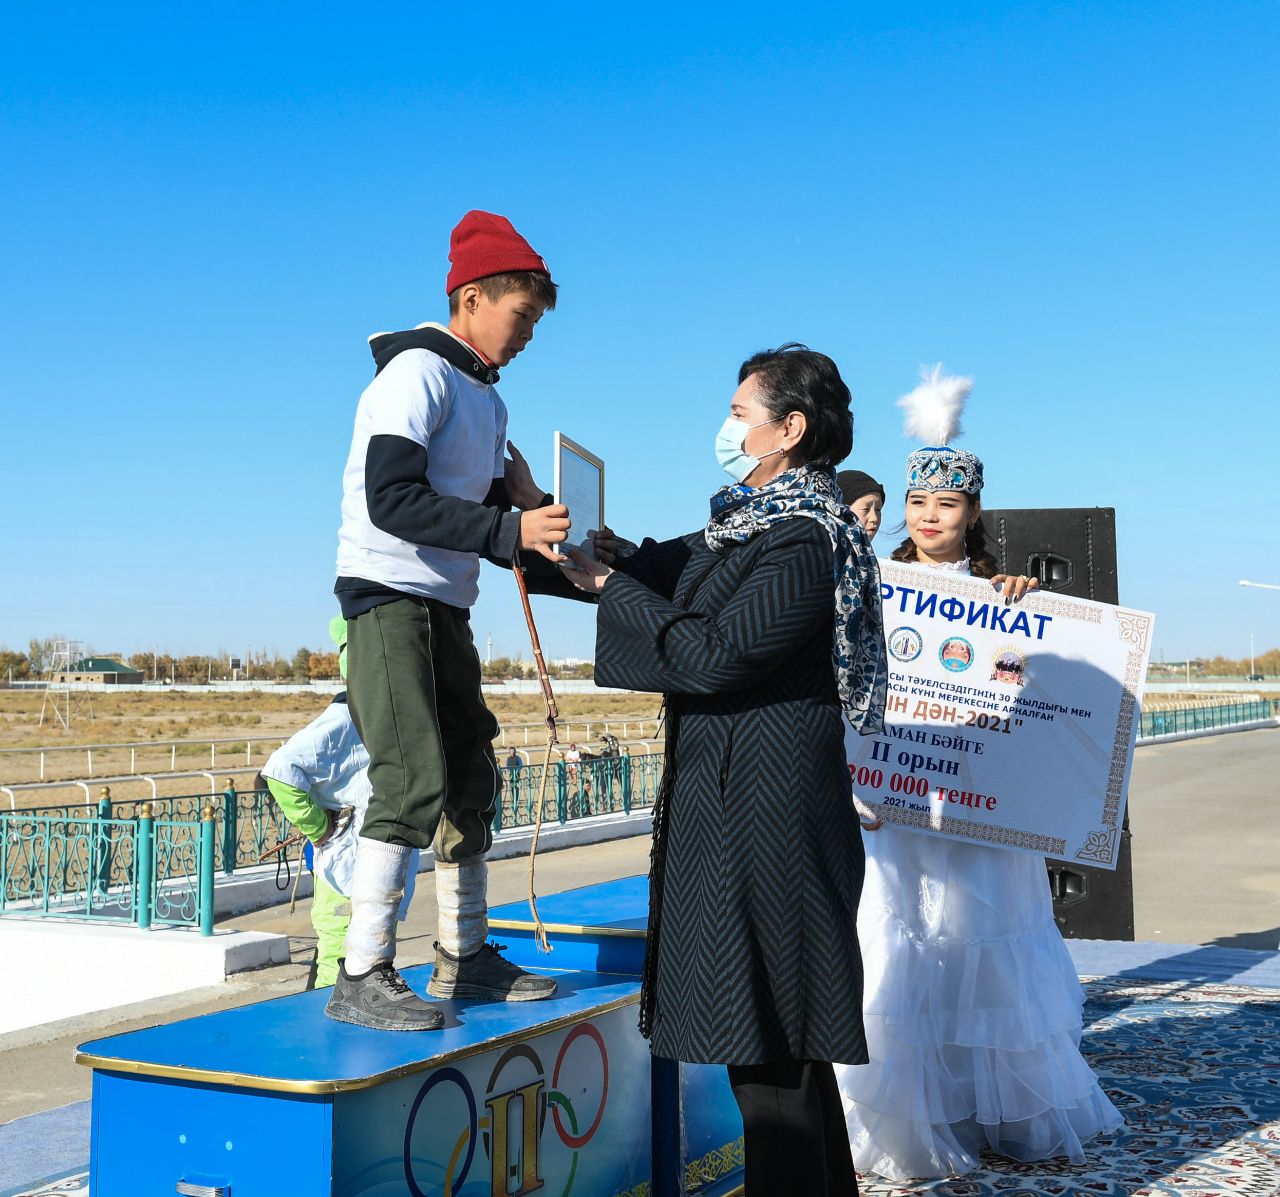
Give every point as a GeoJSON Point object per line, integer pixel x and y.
{"type": "Point", "coordinates": [1011, 725]}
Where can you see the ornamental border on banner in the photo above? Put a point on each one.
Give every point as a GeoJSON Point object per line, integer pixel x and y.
{"type": "Point", "coordinates": [1045, 601]}
{"type": "Point", "coordinates": [1134, 629]}
{"type": "Point", "coordinates": [991, 833]}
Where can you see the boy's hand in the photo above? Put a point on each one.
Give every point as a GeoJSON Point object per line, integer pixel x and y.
{"type": "Point", "coordinates": [544, 528]}
{"type": "Point", "coordinates": [522, 490]}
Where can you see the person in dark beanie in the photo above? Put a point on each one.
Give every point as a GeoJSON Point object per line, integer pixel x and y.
{"type": "Point", "coordinates": [427, 492]}
{"type": "Point", "coordinates": [864, 496]}
{"type": "Point", "coordinates": [764, 632]}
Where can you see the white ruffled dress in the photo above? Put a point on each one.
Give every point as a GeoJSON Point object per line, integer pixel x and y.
{"type": "Point", "coordinates": [972, 1010]}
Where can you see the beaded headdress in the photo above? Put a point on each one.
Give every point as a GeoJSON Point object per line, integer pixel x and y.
{"type": "Point", "coordinates": [933, 416]}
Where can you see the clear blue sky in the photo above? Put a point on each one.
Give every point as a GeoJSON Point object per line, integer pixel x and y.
{"type": "Point", "coordinates": [205, 210]}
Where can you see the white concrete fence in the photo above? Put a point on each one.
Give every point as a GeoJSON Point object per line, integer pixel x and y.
{"type": "Point", "coordinates": [223, 753]}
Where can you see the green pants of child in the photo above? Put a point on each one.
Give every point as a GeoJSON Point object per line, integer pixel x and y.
{"type": "Point", "coordinates": [330, 914]}
{"type": "Point", "coordinates": [413, 688]}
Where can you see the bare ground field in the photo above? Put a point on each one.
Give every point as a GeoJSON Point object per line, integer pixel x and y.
{"type": "Point", "coordinates": [255, 723]}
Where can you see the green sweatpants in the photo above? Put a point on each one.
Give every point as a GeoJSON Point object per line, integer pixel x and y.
{"type": "Point", "coordinates": [413, 687]}
{"type": "Point", "coordinates": [330, 915]}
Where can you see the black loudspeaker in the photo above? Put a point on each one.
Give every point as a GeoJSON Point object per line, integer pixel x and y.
{"type": "Point", "coordinates": [1073, 550]}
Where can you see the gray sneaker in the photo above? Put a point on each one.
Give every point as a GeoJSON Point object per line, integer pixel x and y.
{"type": "Point", "coordinates": [485, 974]}
{"type": "Point", "coordinates": [382, 1000]}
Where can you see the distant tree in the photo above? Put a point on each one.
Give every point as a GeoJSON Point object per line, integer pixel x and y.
{"type": "Point", "coordinates": [1224, 667]}
{"type": "Point", "coordinates": [16, 663]}
{"type": "Point", "coordinates": [499, 667]}
{"type": "Point", "coordinates": [40, 654]}
{"type": "Point", "coordinates": [322, 666]}
{"type": "Point", "coordinates": [259, 667]}
{"type": "Point", "coordinates": [142, 662]}
{"type": "Point", "coordinates": [301, 665]}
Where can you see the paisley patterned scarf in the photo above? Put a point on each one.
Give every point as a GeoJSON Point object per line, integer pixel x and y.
{"type": "Point", "coordinates": [857, 652]}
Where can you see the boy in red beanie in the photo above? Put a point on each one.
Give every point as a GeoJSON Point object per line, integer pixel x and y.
{"type": "Point", "coordinates": [427, 492]}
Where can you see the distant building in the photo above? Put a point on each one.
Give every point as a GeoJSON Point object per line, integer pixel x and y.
{"type": "Point", "coordinates": [99, 671]}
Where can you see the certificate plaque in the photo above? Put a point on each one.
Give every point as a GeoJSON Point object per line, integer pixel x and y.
{"type": "Point", "coordinates": [579, 485]}
{"type": "Point", "coordinates": [1011, 726]}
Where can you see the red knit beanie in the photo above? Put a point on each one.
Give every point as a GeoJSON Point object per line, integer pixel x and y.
{"type": "Point", "coordinates": [482, 244]}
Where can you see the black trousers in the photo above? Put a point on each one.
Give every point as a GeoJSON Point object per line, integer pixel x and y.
{"type": "Point", "coordinates": [797, 1144]}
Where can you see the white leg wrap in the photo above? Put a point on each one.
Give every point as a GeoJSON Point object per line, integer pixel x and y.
{"type": "Point", "coordinates": [377, 888]}
{"type": "Point", "coordinates": [462, 896]}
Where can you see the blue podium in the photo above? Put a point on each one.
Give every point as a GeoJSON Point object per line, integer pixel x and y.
{"type": "Point", "coordinates": [560, 1097]}
{"type": "Point", "coordinates": [697, 1130]}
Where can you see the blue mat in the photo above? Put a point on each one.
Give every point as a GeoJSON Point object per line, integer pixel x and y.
{"type": "Point", "coordinates": [51, 1145]}
{"type": "Point", "coordinates": [1185, 962]}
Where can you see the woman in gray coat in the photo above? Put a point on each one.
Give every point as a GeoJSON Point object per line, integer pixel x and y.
{"type": "Point", "coordinates": [763, 631]}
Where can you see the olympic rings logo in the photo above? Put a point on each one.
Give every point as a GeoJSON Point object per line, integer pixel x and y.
{"type": "Point", "coordinates": [467, 1138]}
{"type": "Point", "coordinates": [575, 1140]}
{"type": "Point", "coordinates": [531, 1100]}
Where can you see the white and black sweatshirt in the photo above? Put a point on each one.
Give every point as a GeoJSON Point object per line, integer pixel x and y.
{"type": "Point", "coordinates": [422, 494]}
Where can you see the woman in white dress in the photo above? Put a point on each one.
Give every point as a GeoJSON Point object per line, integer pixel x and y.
{"type": "Point", "coordinates": [972, 1006]}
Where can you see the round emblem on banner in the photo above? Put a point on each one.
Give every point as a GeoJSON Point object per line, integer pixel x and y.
{"type": "Point", "coordinates": [905, 644]}
{"type": "Point", "coordinates": [956, 654]}
{"type": "Point", "coordinates": [1009, 665]}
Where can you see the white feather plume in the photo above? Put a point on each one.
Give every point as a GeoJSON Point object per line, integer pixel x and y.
{"type": "Point", "coordinates": [934, 408]}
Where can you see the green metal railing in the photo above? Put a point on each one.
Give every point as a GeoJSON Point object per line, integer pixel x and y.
{"type": "Point", "coordinates": [249, 821]}
{"type": "Point", "coordinates": [1202, 718]}
{"type": "Point", "coordinates": [153, 861]}
{"type": "Point", "coordinates": [99, 867]}
{"type": "Point", "coordinates": [596, 786]}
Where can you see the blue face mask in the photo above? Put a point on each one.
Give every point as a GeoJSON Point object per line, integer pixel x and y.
{"type": "Point", "coordinates": [731, 450]}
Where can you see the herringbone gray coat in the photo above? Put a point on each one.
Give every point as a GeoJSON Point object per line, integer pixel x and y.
{"type": "Point", "coordinates": [757, 861]}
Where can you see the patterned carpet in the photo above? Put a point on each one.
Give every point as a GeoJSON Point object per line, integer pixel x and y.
{"type": "Point", "coordinates": [1195, 1069]}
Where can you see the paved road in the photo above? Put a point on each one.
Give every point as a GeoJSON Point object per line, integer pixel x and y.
{"type": "Point", "coordinates": [1205, 816]}
{"type": "Point", "coordinates": [1206, 847]}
